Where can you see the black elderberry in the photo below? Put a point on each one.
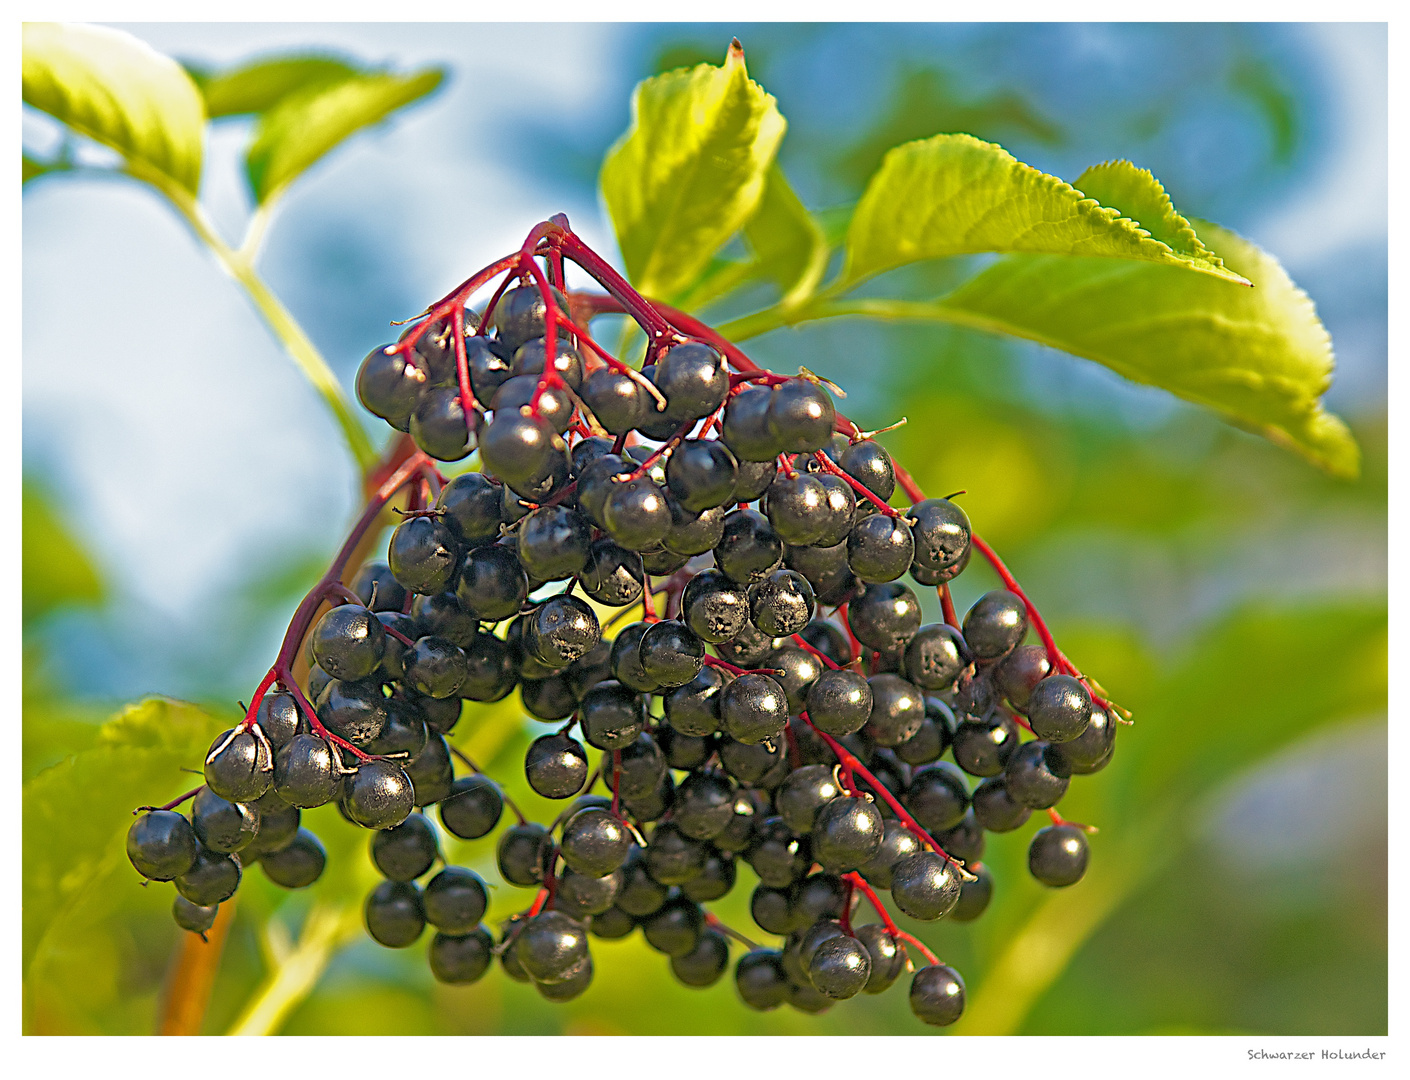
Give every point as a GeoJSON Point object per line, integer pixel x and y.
{"type": "Point", "coordinates": [937, 995]}
{"type": "Point", "coordinates": [611, 716]}
{"type": "Point", "coordinates": [693, 710]}
{"type": "Point", "coordinates": [942, 533]}
{"type": "Point", "coordinates": [671, 653]}
{"type": "Point", "coordinates": [551, 947]}
{"type": "Point", "coordinates": [553, 542]}
{"type": "Point", "coordinates": [770, 909]}
{"type": "Point", "coordinates": [626, 658]}
{"type": "Point", "coordinates": [714, 607]}
{"type": "Point", "coordinates": [577, 981]}
{"type": "Point", "coordinates": [542, 485]}
{"type": "Point", "coordinates": [897, 710]}
{"type": "Point", "coordinates": [404, 852]}
{"type": "Point", "coordinates": [870, 465]}
{"type": "Point", "coordinates": [488, 364]}
{"type": "Point", "coordinates": [556, 766]}
{"type": "Point", "coordinates": [612, 575]}
{"type": "Point", "coordinates": [643, 768]}
{"type": "Point", "coordinates": [925, 886]}
{"type": "Point", "coordinates": [746, 426]}
{"type": "Point", "coordinates": [387, 386]}
{"type": "Point", "coordinates": [521, 314]}
{"type": "Point", "coordinates": [211, 879]}
{"type": "Point", "coordinates": [777, 854]}
{"type": "Point", "coordinates": [439, 424]}
{"type": "Point", "coordinates": [531, 359]}
{"type": "Point", "coordinates": [394, 914]}
{"type": "Point", "coordinates": [278, 825]}
{"type": "Point", "coordinates": [996, 809]}
{"type": "Point", "coordinates": [516, 446]}
{"type": "Point", "coordinates": [279, 718]}
{"type": "Point", "coordinates": [548, 699]}
{"type": "Point", "coordinates": [703, 806]}
{"type": "Point", "coordinates": [684, 751]}
{"type": "Point", "coordinates": [897, 843]}
{"type": "Point", "coordinates": [752, 480]}
{"type": "Point", "coordinates": [693, 379]}
{"type": "Point", "coordinates": [470, 508]}
{"type": "Point", "coordinates": [492, 583]}
{"type": "Point", "coordinates": [1018, 673]}
{"type": "Point", "coordinates": [716, 878]}
{"type": "Point", "coordinates": [673, 858]}
{"type": "Point", "coordinates": [355, 711]}
{"type": "Point", "coordinates": [520, 853]}
{"type": "Point", "coordinates": [795, 670]}
{"type": "Point", "coordinates": [748, 648]}
{"type": "Point", "coordinates": [802, 795]}
{"type": "Point", "coordinates": [580, 896]}
{"type": "Point", "coordinates": [636, 514]}
{"type": "Point", "coordinates": [827, 638]}
{"type": "Point", "coordinates": [935, 656]}
{"type": "Point", "coordinates": [1059, 708]}
{"type": "Point", "coordinates": [561, 630]}
{"type": "Point", "coordinates": [555, 408]}
{"type": "Point", "coordinates": [617, 401]}
{"type": "Point", "coordinates": [454, 900]}
{"type": "Point", "coordinates": [826, 570]}
{"type": "Point", "coordinates": [239, 765]}
{"type": "Point", "coordinates": [660, 561]}
{"type": "Point", "coordinates": [840, 967]}
{"type": "Point", "coordinates": [701, 474]}
{"type": "Point", "coordinates": [884, 617]}
{"type": "Point", "coordinates": [750, 763]}
{"type": "Point", "coordinates": [298, 864]}
{"type": "Point", "coordinates": [965, 841]}
{"type": "Point", "coordinates": [996, 624]}
{"type": "Point", "coordinates": [705, 964]}
{"type": "Point", "coordinates": [749, 550]}
{"type": "Point", "coordinates": [193, 917]}
{"type": "Point", "coordinates": [817, 897]}
{"type": "Point", "coordinates": [937, 797]}
{"type": "Point", "coordinates": [796, 504]}
{"type": "Point", "coordinates": [222, 825]}
{"type": "Point", "coordinates": [442, 615]}
{"type": "Point", "coordinates": [490, 670]}
{"type": "Point", "coordinates": [430, 772]}
{"type": "Point", "coordinates": [760, 980]}
{"type": "Point", "coordinates": [640, 894]}
{"type": "Point", "coordinates": [753, 709]}
{"type": "Point", "coordinates": [161, 845]}
{"type": "Point", "coordinates": [782, 604]}
{"type": "Point", "coordinates": [422, 554]}
{"type": "Point", "coordinates": [472, 808]}
{"type": "Point", "coordinates": [1057, 855]}
{"type": "Point", "coordinates": [307, 772]}
{"type": "Point", "coordinates": [847, 834]}
{"type": "Point", "coordinates": [595, 843]}
{"type": "Point", "coordinates": [434, 666]}
{"type": "Point", "coordinates": [693, 533]}
{"type": "Point", "coordinates": [1089, 752]}
{"type": "Point", "coordinates": [880, 548]}
{"type": "Point", "coordinates": [459, 959]}
{"type": "Point", "coordinates": [675, 927]}
{"type": "Point", "coordinates": [379, 794]}
{"type": "Point", "coordinates": [974, 895]}
{"type": "Point", "coordinates": [1029, 779]}
{"type": "Point", "coordinates": [983, 748]}
{"type": "Point", "coordinates": [800, 416]}
{"type": "Point", "coordinates": [888, 960]}
{"type": "Point", "coordinates": [927, 744]}
{"type": "Point", "coordinates": [804, 945]}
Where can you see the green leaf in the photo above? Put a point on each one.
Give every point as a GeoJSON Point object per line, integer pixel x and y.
{"type": "Point", "coordinates": [76, 814]}
{"type": "Point", "coordinates": [1140, 197]}
{"type": "Point", "coordinates": [113, 88]}
{"type": "Point", "coordinates": [1260, 356]}
{"type": "Point", "coordinates": [690, 171]}
{"type": "Point", "coordinates": [306, 125]}
{"type": "Point", "coordinates": [56, 570]}
{"type": "Point", "coordinates": [789, 245]}
{"type": "Point", "coordinates": [956, 195]}
{"type": "Point", "coordinates": [259, 86]}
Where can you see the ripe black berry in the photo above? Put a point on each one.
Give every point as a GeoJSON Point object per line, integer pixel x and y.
{"type": "Point", "coordinates": [492, 584]}
{"type": "Point", "coordinates": [703, 806]}
{"type": "Point", "coordinates": [706, 963]}
{"type": "Point", "coordinates": [749, 550]}
{"type": "Point", "coordinates": [880, 548]}
{"type": "Point", "coordinates": [826, 569]}
{"type": "Point", "coordinates": [937, 797]}
{"type": "Point", "coordinates": [1029, 779]}
{"type": "Point", "coordinates": [701, 474]}
{"type": "Point", "coordinates": [897, 843]}
{"type": "Point", "coordinates": [675, 927]}
{"type": "Point", "coordinates": [406, 851]}
{"type": "Point", "coordinates": [770, 909]}
{"type": "Point", "coordinates": [643, 768]}
{"type": "Point", "coordinates": [800, 416]}
{"type": "Point", "coordinates": [193, 917]}
{"type": "Point", "coordinates": [636, 514]}
{"type": "Point", "coordinates": [440, 426]}
{"type": "Point", "coordinates": [897, 710]}
{"type": "Point", "coordinates": [1019, 672]}
{"type": "Point", "coordinates": [307, 772]}
{"type": "Point", "coordinates": [782, 604]}
{"type": "Point", "coordinates": [556, 766]}
{"type": "Point", "coordinates": [211, 879]}
{"type": "Point", "coordinates": [161, 845]}
{"type": "Point", "coordinates": [795, 670]}
{"type": "Point", "coordinates": [561, 630]}
{"type": "Point", "coordinates": [279, 718]}
{"type": "Point", "coordinates": [925, 886]}
{"type": "Point", "coordinates": [673, 858]}
{"type": "Point", "coordinates": [777, 854]}
{"type": "Point", "coordinates": [693, 380]}
{"type": "Point", "coordinates": [222, 825]}
{"type": "Point", "coordinates": [1059, 708]}
{"type": "Point", "coordinates": [434, 666]}
{"type": "Point", "coordinates": [394, 914]}
{"type": "Point", "coordinates": [965, 841]}
{"type": "Point", "coordinates": [617, 401]}
{"type": "Point", "coordinates": [470, 508]}
{"type": "Point", "coordinates": [870, 465]}
{"type": "Point", "coordinates": [611, 716]}
{"type": "Point", "coordinates": [455, 900]}
{"type": "Point", "coordinates": [995, 625]}
{"type": "Point", "coordinates": [594, 842]}
{"type": "Point", "coordinates": [520, 854]}
{"type": "Point", "coordinates": [887, 958]}
{"type": "Point", "coordinates": [974, 895]}
{"type": "Point", "coordinates": [531, 358]}
{"type": "Point", "coordinates": [839, 702]}
{"type": "Point", "coordinates": [937, 995]}
{"type": "Point", "coordinates": [298, 863]}
{"type": "Point", "coordinates": [1057, 855]}
{"type": "Point", "coordinates": [387, 386]}
{"type": "Point", "coordinates": [626, 658]}
{"type": "Point", "coordinates": [935, 657]}
{"type": "Point", "coordinates": [239, 766]}
{"type": "Point", "coordinates": [553, 542]}
{"type": "Point", "coordinates": [760, 979]}
{"type": "Point", "coordinates": [714, 607]}
{"type": "Point", "coordinates": [1089, 752]}
{"type": "Point", "coordinates": [817, 897]}
{"type": "Point", "coordinates": [847, 834]}
{"type": "Point", "coordinates": [461, 959]}
{"type": "Point", "coordinates": [430, 772]}
{"type": "Point", "coordinates": [716, 878]}
{"type": "Point", "coordinates": [379, 794]}
{"type": "Point", "coordinates": [983, 748]}
{"type": "Point", "coordinates": [884, 617]}
{"type": "Point", "coordinates": [796, 506]}
{"type": "Point", "coordinates": [996, 809]}
{"type": "Point", "coordinates": [516, 446]}
{"type": "Point", "coordinates": [671, 653]}
{"type": "Point", "coordinates": [942, 534]}
{"type": "Point", "coordinates": [753, 709]}
{"type": "Point", "coordinates": [551, 947]}
{"type": "Point", "coordinates": [612, 575]}
{"type": "Point", "coordinates": [840, 967]}
{"type": "Point", "coordinates": [693, 710]}
{"type": "Point", "coordinates": [422, 554]}
{"type": "Point", "coordinates": [580, 896]}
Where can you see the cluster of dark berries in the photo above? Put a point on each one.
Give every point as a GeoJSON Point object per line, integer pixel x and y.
{"type": "Point", "coordinates": [778, 701]}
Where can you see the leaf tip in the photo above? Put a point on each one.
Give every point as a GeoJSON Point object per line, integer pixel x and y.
{"type": "Point", "coordinates": [735, 53]}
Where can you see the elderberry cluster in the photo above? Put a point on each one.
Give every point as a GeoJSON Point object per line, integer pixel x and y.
{"type": "Point", "coordinates": [778, 702]}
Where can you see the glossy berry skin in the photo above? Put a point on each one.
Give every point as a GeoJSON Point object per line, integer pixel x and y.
{"type": "Point", "coordinates": [548, 699]}
{"type": "Point", "coordinates": [490, 670]}
{"type": "Point", "coordinates": [996, 809]}
{"type": "Point", "coordinates": [847, 834]}
{"type": "Point", "coordinates": [561, 630]}
{"type": "Point", "coordinates": [222, 825]}
{"type": "Point", "coordinates": [995, 625]}
{"type": "Point", "coordinates": [925, 886]}
{"type": "Point", "coordinates": [1059, 708]}
{"type": "Point", "coordinates": [1030, 781]}
{"type": "Point", "coordinates": [673, 858]}
{"type": "Point", "coordinates": [927, 744]}
{"type": "Point", "coordinates": [942, 534]}
{"type": "Point", "coordinates": [298, 864]}
{"type": "Point", "coordinates": [626, 658]}
{"type": "Point", "coordinates": [519, 854]}
{"type": "Point", "coordinates": [826, 570]}
{"type": "Point", "coordinates": [760, 980]}
{"type": "Point", "coordinates": [459, 959]}
{"type": "Point", "coordinates": [693, 379]}
{"type": "Point", "coordinates": [640, 893]}
{"type": "Point", "coordinates": [517, 447]}
{"type": "Point", "coordinates": [488, 363]}
{"type": "Point", "coordinates": [693, 533]}
{"type": "Point", "coordinates": [551, 947]}
{"type": "Point", "coordinates": [671, 653]}
{"type": "Point", "coordinates": [880, 548]}
{"type": "Point", "coordinates": [553, 542]}
{"type": "Point", "coordinates": [440, 427]}
{"type": "Point", "coordinates": [348, 642]}
{"type": "Point", "coordinates": [278, 825]}
{"type": "Point", "coordinates": [705, 964]}
{"type": "Point", "coordinates": [430, 772]}
{"type": "Point", "coordinates": [898, 842]}
{"type": "Point", "coordinates": [795, 670]}
{"type": "Point", "coordinates": [870, 465]}
{"type": "Point", "coordinates": [703, 805]}
{"type": "Point", "coordinates": [1057, 855]}
{"type": "Point", "coordinates": [161, 845]}
{"type": "Point", "coordinates": [636, 514]}
{"type": "Point", "coordinates": [974, 895]}
{"type": "Point", "coordinates": [693, 710]}
{"type": "Point", "coordinates": [716, 878]}
{"type": "Point", "coordinates": [279, 718]}
{"type": "Point", "coordinates": [688, 752]}
{"type": "Point", "coordinates": [782, 604]}
{"type": "Point", "coordinates": [611, 716]}
{"type": "Point", "coordinates": [594, 842]}
{"type": "Point", "coordinates": [580, 896]}
{"type": "Point", "coordinates": [1018, 673]}
{"type": "Point", "coordinates": [307, 772]}
{"type": "Point", "coordinates": [770, 910]}
{"type": "Point", "coordinates": [982, 749]}
{"type": "Point", "coordinates": [749, 763]}
{"type": "Point", "coordinates": [936, 656]}
{"type": "Point", "coordinates": [801, 416]}
{"type": "Point", "coordinates": [521, 314]}
{"type": "Point", "coordinates": [404, 852]}
{"type": "Point", "coordinates": [937, 995]}
{"type": "Point", "coordinates": [1089, 752]}
{"type": "Point", "coordinates": [455, 900]}
{"type": "Point", "coordinates": [752, 480]}
{"type": "Point", "coordinates": [239, 766]}
{"type": "Point", "coordinates": [888, 960]}
{"type": "Point", "coordinates": [753, 709]}
{"type": "Point", "coordinates": [492, 584]}
{"type": "Point", "coordinates": [394, 914]}
{"type": "Point", "coordinates": [612, 575]}
{"type": "Point", "coordinates": [839, 702]}
{"type": "Point", "coordinates": [379, 794]}
{"type": "Point", "coordinates": [516, 394]}
{"type": "Point", "coordinates": [701, 474]}
{"type": "Point", "coordinates": [965, 841]}
{"type": "Point", "coordinates": [885, 617]}
{"type": "Point", "coordinates": [816, 897]}
{"type": "Point", "coordinates": [837, 512]}
{"type": "Point", "coordinates": [405, 731]}
{"type": "Point", "coordinates": [748, 648]}
{"type": "Point", "coordinates": [193, 917]}
{"type": "Point", "coordinates": [840, 967]}
{"type": "Point", "coordinates": [617, 401]}
{"type": "Point", "coordinates": [422, 554]}
{"type": "Point", "coordinates": [749, 550]}
{"type": "Point", "coordinates": [797, 507]}
{"type": "Point", "coordinates": [714, 607]}
{"type": "Point", "coordinates": [778, 855]}
{"type": "Point", "coordinates": [473, 807]}
{"type": "Point", "coordinates": [897, 710]}
{"type": "Point", "coordinates": [937, 797]}
{"type": "Point", "coordinates": [531, 358]}
{"type": "Point", "coordinates": [470, 506]}
{"type": "Point", "coordinates": [387, 386]}
{"type": "Point", "coordinates": [746, 426]}
{"type": "Point", "coordinates": [675, 928]}
{"type": "Point", "coordinates": [211, 879]}
{"type": "Point", "coordinates": [803, 794]}
{"type": "Point", "coordinates": [434, 666]}
{"type": "Point", "coordinates": [556, 766]}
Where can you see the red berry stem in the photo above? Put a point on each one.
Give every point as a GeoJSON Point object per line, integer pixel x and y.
{"type": "Point", "coordinates": [856, 485]}
{"type": "Point", "coordinates": [895, 931]}
{"type": "Point", "coordinates": [827, 660]}
{"type": "Point", "coordinates": [947, 606]}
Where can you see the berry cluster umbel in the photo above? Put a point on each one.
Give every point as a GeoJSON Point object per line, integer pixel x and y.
{"type": "Point", "coordinates": [778, 701]}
